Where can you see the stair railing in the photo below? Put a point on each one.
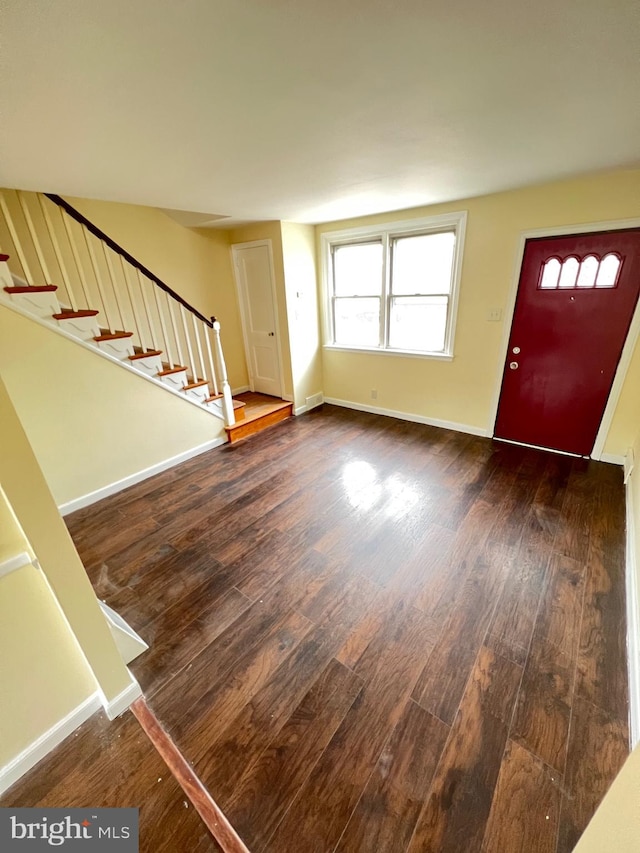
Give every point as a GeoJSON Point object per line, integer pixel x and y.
{"type": "Point", "coordinates": [53, 243]}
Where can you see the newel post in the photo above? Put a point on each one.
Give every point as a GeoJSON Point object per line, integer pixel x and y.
{"type": "Point", "coordinates": [227, 400]}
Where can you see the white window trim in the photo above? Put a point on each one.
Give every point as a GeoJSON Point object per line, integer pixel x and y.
{"type": "Point", "coordinates": [388, 231]}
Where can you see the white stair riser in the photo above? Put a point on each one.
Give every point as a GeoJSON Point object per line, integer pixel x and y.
{"type": "Point", "coordinates": [118, 348]}
{"type": "Point", "coordinates": [175, 380]}
{"type": "Point", "coordinates": [215, 406]}
{"type": "Point", "coordinates": [85, 328]}
{"type": "Point", "coordinates": [41, 304]}
{"type": "Point", "coordinates": [150, 366]}
{"type": "Point", "coordinates": [200, 394]}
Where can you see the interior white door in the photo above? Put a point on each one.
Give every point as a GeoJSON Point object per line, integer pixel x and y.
{"type": "Point", "coordinates": [256, 289]}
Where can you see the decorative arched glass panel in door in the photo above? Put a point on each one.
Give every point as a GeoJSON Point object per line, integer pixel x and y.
{"type": "Point", "coordinates": [588, 272]}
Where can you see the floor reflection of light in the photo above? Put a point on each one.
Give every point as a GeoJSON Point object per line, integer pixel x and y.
{"type": "Point", "coordinates": [361, 485]}
{"type": "Point", "coordinates": [364, 490]}
{"type": "Point", "coordinates": [402, 497]}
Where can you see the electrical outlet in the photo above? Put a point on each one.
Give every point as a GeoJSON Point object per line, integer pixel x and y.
{"type": "Point", "coordinates": [494, 315]}
{"type": "Point", "coordinates": [374, 394]}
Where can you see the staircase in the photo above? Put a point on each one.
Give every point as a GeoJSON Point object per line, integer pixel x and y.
{"type": "Point", "coordinates": [106, 299]}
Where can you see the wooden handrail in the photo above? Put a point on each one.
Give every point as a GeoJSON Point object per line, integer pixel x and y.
{"type": "Point", "coordinates": [97, 232]}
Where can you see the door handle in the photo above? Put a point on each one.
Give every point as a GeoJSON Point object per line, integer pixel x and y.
{"type": "Point", "coordinates": [514, 365]}
{"type": "Point", "coordinates": [271, 334]}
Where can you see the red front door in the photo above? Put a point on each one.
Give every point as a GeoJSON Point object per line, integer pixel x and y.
{"type": "Point", "coordinates": [575, 302]}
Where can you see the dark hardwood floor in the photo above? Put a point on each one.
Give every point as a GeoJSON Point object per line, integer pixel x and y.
{"type": "Point", "coordinates": [366, 635]}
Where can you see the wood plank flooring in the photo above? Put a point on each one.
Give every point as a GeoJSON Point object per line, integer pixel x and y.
{"type": "Point", "coordinates": [366, 635]}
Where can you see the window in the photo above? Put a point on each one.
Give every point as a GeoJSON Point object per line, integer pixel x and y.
{"type": "Point", "coordinates": [590, 272]}
{"type": "Point", "coordinates": [393, 288]}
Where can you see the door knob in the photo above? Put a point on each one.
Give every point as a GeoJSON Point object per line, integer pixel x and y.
{"type": "Point", "coordinates": [513, 365]}
{"type": "Point", "coordinates": [271, 334]}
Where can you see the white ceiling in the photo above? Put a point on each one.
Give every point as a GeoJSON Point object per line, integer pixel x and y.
{"type": "Point", "coordinates": [312, 110]}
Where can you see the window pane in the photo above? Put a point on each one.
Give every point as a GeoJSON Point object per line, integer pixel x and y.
{"type": "Point", "coordinates": [423, 264]}
{"type": "Point", "coordinates": [357, 322]}
{"type": "Point", "coordinates": [357, 269]}
{"type": "Point", "coordinates": [588, 270]}
{"type": "Point", "coordinates": [550, 273]}
{"type": "Point", "coordinates": [608, 272]}
{"type": "Point", "coordinates": [569, 273]}
{"type": "Point", "coordinates": [418, 323]}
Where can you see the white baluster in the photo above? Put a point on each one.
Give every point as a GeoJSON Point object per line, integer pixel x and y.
{"type": "Point", "coordinates": [34, 237]}
{"type": "Point", "coordinates": [98, 277]}
{"type": "Point", "coordinates": [134, 309]}
{"type": "Point", "coordinates": [174, 327]}
{"type": "Point", "coordinates": [15, 240]}
{"type": "Point", "coordinates": [147, 311]}
{"type": "Point", "coordinates": [214, 378]}
{"type": "Point", "coordinates": [57, 252]}
{"type": "Point", "coordinates": [198, 345]}
{"type": "Point", "coordinates": [66, 222]}
{"type": "Point", "coordinates": [227, 399]}
{"type": "Point", "coordinates": [163, 326]}
{"type": "Point", "coordinates": [192, 363]}
{"type": "Point", "coordinates": [114, 286]}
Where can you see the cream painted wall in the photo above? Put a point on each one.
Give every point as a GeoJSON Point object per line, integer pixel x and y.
{"type": "Point", "coordinates": [97, 661]}
{"type": "Point", "coordinates": [273, 231]}
{"type": "Point", "coordinates": [43, 673]}
{"type": "Point", "coordinates": [462, 391]}
{"type": "Point", "coordinates": [615, 827]}
{"type": "Point", "coordinates": [299, 256]}
{"type": "Point", "coordinates": [627, 415]}
{"type": "Point", "coordinates": [12, 538]}
{"type": "Point", "coordinates": [77, 407]}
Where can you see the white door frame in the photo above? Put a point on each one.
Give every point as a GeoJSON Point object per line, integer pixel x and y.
{"type": "Point", "coordinates": [243, 310]}
{"type": "Point", "coordinates": [627, 350]}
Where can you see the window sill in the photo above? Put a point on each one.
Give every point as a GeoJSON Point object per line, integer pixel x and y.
{"type": "Point", "coordinates": [437, 356]}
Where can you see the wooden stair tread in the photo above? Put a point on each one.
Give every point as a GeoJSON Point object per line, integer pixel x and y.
{"type": "Point", "coordinates": [237, 404]}
{"type": "Point", "coordinates": [171, 370]}
{"type": "Point", "coordinates": [71, 315]}
{"type": "Point", "coordinates": [138, 355]}
{"type": "Point", "coordinates": [45, 288]}
{"type": "Point", "coordinates": [198, 384]}
{"type": "Point", "coordinates": [113, 336]}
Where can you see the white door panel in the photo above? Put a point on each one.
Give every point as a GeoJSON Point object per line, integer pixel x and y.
{"type": "Point", "coordinates": [256, 289]}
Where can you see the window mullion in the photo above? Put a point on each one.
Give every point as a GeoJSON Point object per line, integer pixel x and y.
{"type": "Point", "coordinates": [386, 291]}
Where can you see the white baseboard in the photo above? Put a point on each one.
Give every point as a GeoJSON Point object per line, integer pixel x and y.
{"type": "Point", "coordinates": [633, 621]}
{"type": "Point", "coordinates": [612, 458]}
{"type": "Point", "coordinates": [241, 389]}
{"type": "Point", "coordinates": [119, 704]}
{"type": "Point", "coordinates": [408, 416]}
{"type": "Point", "coordinates": [311, 402]}
{"type": "Point", "coordinates": [36, 751]}
{"type": "Point", "coordinates": [138, 477]}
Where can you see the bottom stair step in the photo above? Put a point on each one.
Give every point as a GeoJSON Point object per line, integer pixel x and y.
{"type": "Point", "coordinates": [252, 424]}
